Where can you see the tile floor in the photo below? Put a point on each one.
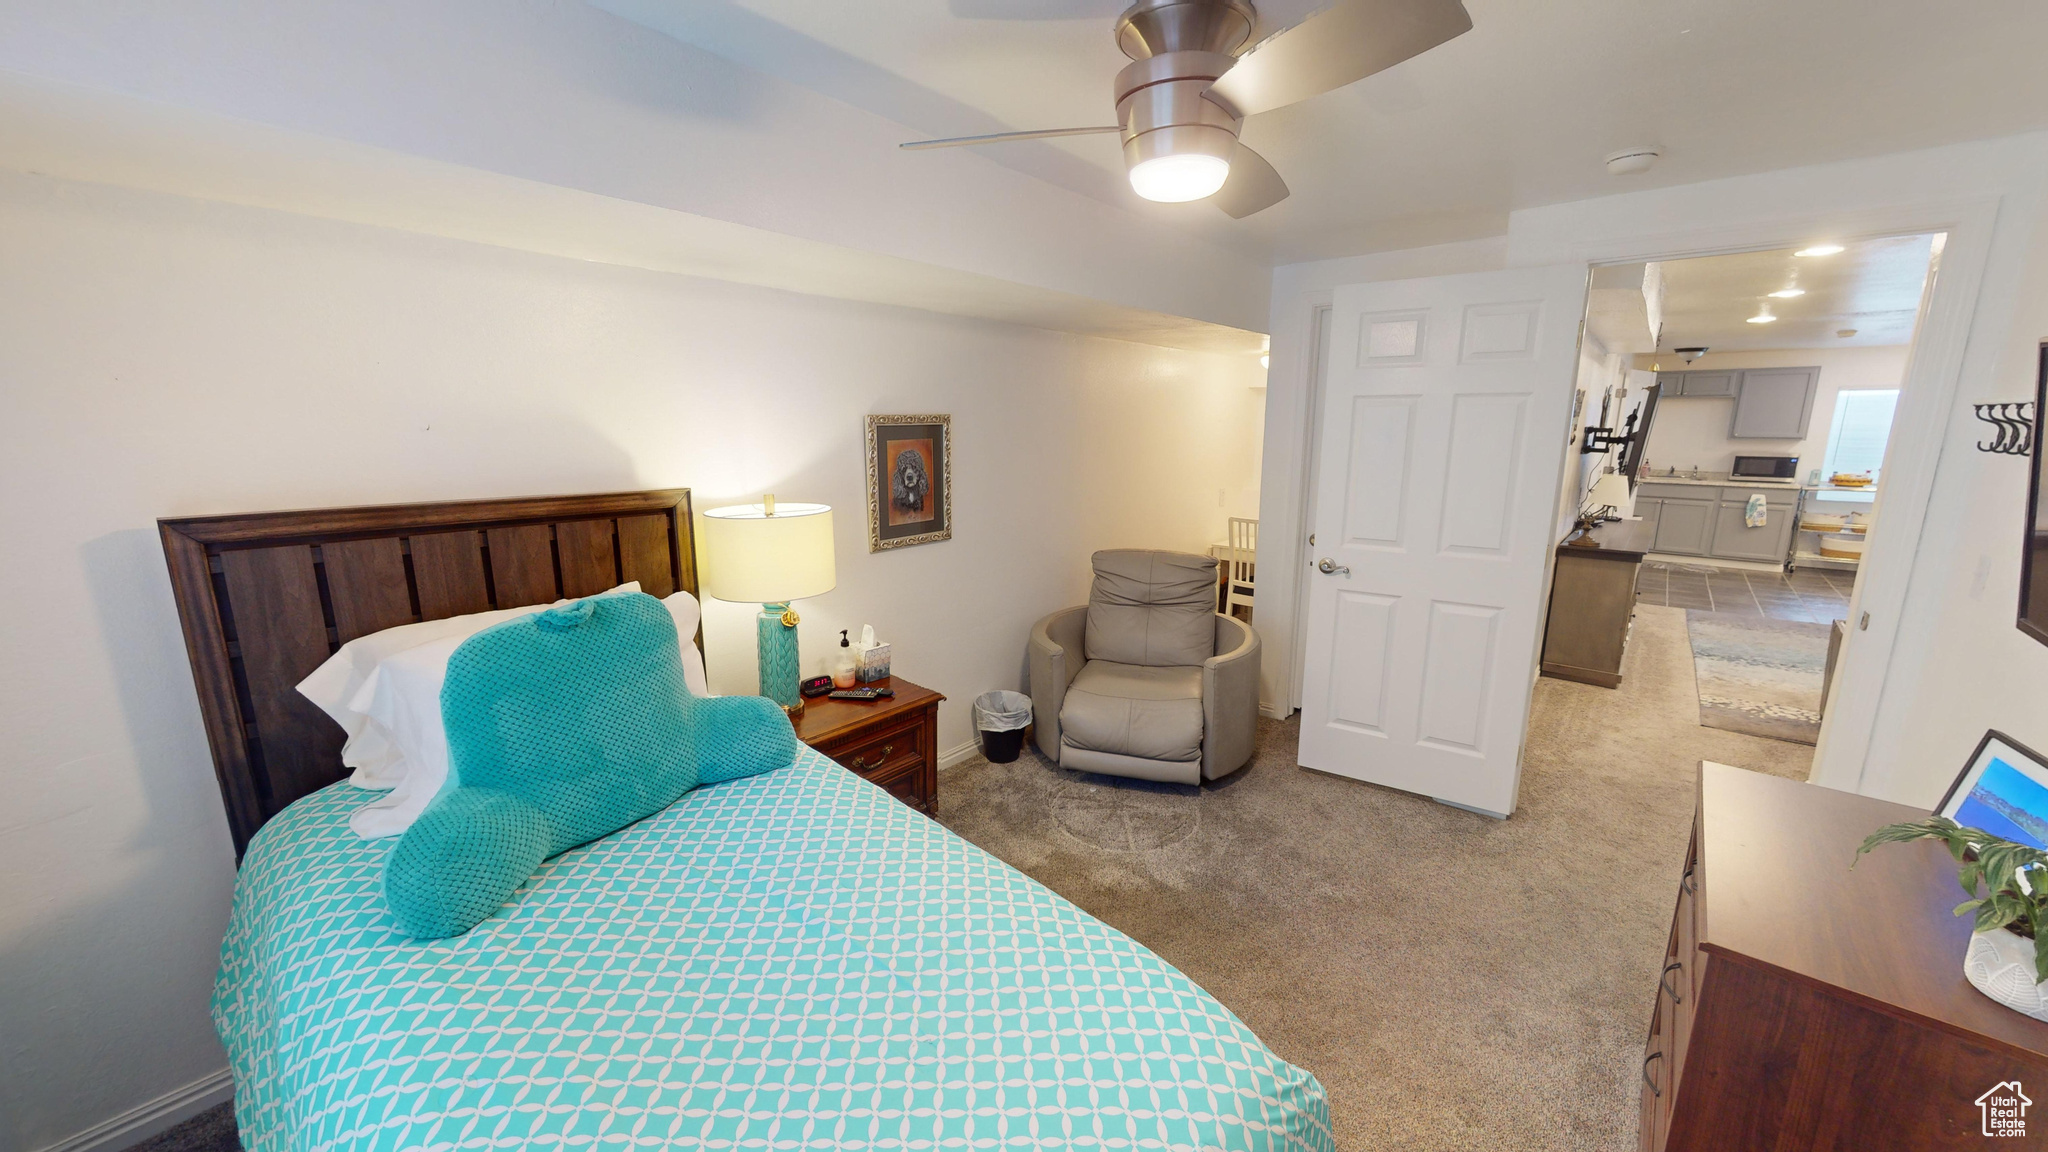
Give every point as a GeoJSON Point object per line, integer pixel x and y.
{"type": "Point", "coordinates": [1809, 594]}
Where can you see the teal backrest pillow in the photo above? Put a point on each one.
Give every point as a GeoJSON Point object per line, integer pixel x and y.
{"type": "Point", "coordinates": [564, 727]}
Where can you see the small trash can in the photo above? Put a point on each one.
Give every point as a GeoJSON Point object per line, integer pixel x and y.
{"type": "Point", "coordinates": [1001, 718]}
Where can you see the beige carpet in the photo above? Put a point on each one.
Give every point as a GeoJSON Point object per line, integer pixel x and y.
{"type": "Point", "coordinates": [1456, 982]}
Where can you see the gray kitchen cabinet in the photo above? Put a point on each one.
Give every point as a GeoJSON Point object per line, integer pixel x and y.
{"type": "Point", "coordinates": [1721, 382]}
{"type": "Point", "coordinates": [1707, 520]}
{"type": "Point", "coordinates": [1736, 540]}
{"type": "Point", "coordinates": [1648, 509]}
{"type": "Point", "coordinates": [1774, 403]}
{"type": "Point", "coordinates": [1684, 527]}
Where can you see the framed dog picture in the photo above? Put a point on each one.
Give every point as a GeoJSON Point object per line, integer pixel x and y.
{"type": "Point", "coordinates": [910, 480]}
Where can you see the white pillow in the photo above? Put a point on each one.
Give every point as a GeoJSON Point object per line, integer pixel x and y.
{"type": "Point", "coordinates": [377, 762]}
{"type": "Point", "coordinates": [402, 698]}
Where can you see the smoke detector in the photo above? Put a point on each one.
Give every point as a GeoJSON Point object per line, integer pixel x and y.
{"type": "Point", "coordinates": [1632, 161]}
{"type": "Point", "coordinates": [1690, 354]}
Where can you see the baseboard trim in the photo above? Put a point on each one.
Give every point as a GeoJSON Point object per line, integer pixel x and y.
{"type": "Point", "coordinates": [149, 1119]}
{"type": "Point", "coordinates": [959, 753]}
{"type": "Point", "coordinates": [1274, 711]}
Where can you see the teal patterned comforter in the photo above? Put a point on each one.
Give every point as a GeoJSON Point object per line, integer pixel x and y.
{"type": "Point", "coordinates": [794, 960]}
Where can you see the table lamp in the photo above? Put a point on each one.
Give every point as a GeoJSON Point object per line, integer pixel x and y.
{"type": "Point", "coordinates": [1610, 490]}
{"type": "Point", "coordinates": [770, 554]}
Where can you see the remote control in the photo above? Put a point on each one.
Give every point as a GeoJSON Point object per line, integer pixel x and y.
{"type": "Point", "coordinates": [862, 693]}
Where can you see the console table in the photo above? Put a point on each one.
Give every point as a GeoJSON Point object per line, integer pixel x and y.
{"type": "Point", "coordinates": [1593, 603]}
{"type": "Point", "coordinates": [1805, 1005]}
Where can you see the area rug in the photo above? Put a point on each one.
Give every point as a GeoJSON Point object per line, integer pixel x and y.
{"type": "Point", "coordinates": [1759, 676]}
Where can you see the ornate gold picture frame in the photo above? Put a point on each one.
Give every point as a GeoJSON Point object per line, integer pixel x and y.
{"type": "Point", "coordinates": [910, 480]}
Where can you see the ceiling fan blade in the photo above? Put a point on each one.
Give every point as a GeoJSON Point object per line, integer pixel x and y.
{"type": "Point", "coordinates": [1004, 137]}
{"type": "Point", "coordinates": [1253, 185]}
{"type": "Point", "coordinates": [1036, 9]}
{"type": "Point", "coordinates": [1351, 40]}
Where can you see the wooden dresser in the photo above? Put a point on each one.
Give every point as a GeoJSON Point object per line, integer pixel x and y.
{"type": "Point", "coordinates": [892, 742]}
{"type": "Point", "coordinates": [1807, 1006]}
{"type": "Point", "coordinates": [1593, 602]}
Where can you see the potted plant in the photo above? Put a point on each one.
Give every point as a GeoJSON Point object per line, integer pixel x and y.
{"type": "Point", "coordinates": [2011, 909]}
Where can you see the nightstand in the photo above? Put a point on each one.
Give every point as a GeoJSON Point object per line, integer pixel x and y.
{"type": "Point", "coordinates": [893, 742]}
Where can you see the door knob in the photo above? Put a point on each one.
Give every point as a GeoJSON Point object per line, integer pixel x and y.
{"type": "Point", "coordinates": [1330, 567]}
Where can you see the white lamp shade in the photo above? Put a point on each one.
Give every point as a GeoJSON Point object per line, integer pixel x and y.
{"type": "Point", "coordinates": [747, 555]}
{"type": "Point", "coordinates": [1609, 491]}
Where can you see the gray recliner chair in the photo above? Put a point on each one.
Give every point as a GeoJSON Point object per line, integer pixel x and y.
{"type": "Point", "coordinates": [1147, 679]}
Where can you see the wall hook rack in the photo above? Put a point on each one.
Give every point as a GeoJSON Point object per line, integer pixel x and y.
{"type": "Point", "coordinates": [2015, 428]}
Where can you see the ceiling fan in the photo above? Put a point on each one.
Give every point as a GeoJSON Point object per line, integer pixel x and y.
{"type": "Point", "coordinates": [1196, 74]}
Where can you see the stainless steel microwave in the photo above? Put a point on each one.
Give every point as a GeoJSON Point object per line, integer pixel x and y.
{"type": "Point", "coordinates": [1766, 467]}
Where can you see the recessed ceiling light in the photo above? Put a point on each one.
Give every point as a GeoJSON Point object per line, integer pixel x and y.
{"type": "Point", "coordinates": [1762, 318]}
{"type": "Point", "coordinates": [1788, 293]}
{"type": "Point", "coordinates": [1819, 250]}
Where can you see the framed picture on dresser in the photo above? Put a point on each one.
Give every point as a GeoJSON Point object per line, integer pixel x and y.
{"type": "Point", "coordinates": [2003, 790]}
{"type": "Point", "coordinates": [910, 480]}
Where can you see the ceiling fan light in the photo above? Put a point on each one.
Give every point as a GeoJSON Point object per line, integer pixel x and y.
{"type": "Point", "coordinates": [1178, 179]}
{"type": "Point", "coordinates": [1180, 162]}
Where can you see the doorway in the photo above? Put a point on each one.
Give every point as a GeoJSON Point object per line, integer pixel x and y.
{"type": "Point", "coordinates": [1760, 390]}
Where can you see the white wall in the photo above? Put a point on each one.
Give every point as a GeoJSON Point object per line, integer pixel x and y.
{"type": "Point", "coordinates": [1599, 373]}
{"type": "Point", "coordinates": [1959, 665]}
{"type": "Point", "coordinates": [1693, 431]}
{"type": "Point", "coordinates": [166, 357]}
{"type": "Point", "coordinates": [1962, 665]}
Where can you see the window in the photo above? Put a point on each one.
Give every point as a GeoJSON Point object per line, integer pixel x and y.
{"type": "Point", "coordinates": [1856, 439]}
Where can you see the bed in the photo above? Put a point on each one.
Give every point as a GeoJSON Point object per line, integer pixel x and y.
{"type": "Point", "coordinates": [790, 960]}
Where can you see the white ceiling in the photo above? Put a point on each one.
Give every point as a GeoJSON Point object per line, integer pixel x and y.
{"type": "Point", "coordinates": [96, 137]}
{"type": "Point", "coordinates": [1872, 286]}
{"type": "Point", "coordinates": [1517, 113]}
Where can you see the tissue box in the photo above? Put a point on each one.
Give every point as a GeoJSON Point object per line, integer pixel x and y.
{"type": "Point", "coordinates": [874, 664]}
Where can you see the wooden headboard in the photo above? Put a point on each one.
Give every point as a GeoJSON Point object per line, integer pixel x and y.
{"type": "Point", "coordinates": [265, 598]}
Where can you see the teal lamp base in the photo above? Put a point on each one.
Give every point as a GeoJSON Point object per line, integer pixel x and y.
{"type": "Point", "coordinates": [775, 636]}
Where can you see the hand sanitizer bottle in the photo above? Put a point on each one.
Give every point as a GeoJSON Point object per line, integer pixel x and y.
{"type": "Point", "coordinates": [843, 666]}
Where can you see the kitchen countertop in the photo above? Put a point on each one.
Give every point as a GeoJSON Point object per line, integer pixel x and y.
{"type": "Point", "coordinates": [1723, 482]}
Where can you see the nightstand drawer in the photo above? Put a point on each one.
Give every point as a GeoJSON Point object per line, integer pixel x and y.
{"type": "Point", "coordinates": [882, 750]}
{"type": "Point", "coordinates": [891, 759]}
{"type": "Point", "coordinates": [892, 743]}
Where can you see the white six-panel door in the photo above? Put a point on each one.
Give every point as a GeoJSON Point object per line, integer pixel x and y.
{"type": "Point", "coordinates": [1445, 415]}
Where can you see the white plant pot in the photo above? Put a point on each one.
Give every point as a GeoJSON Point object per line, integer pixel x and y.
{"type": "Point", "coordinates": [2001, 966]}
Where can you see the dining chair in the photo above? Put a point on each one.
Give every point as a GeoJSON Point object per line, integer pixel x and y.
{"type": "Point", "coordinates": [1244, 546]}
